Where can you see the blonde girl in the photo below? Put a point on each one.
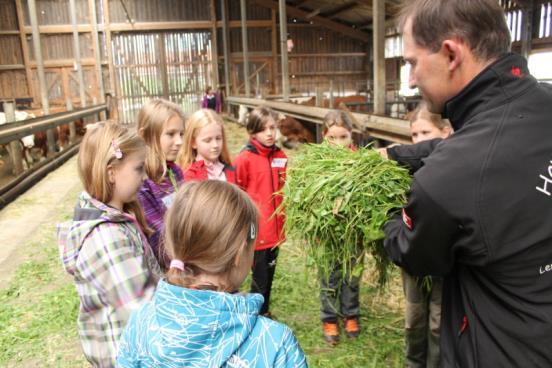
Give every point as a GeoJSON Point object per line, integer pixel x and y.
{"type": "Point", "coordinates": [196, 316]}
{"type": "Point", "coordinates": [161, 124]}
{"type": "Point", "coordinates": [423, 304]}
{"type": "Point", "coordinates": [104, 247]}
{"type": "Point", "coordinates": [426, 126]}
{"type": "Point", "coordinates": [205, 153]}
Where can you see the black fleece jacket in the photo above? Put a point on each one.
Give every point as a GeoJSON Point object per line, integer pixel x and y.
{"type": "Point", "coordinates": [479, 213]}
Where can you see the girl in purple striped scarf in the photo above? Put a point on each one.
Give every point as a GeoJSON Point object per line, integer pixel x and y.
{"type": "Point", "coordinates": [161, 125]}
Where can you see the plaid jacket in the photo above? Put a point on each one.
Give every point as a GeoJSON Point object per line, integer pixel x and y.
{"type": "Point", "coordinates": [114, 269]}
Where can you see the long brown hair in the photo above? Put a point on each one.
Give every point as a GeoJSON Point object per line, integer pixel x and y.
{"type": "Point", "coordinates": [209, 224]}
{"type": "Point", "coordinates": [258, 117]}
{"type": "Point", "coordinates": [199, 119]}
{"type": "Point", "coordinates": [97, 152]}
{"type": "Point", "coordinates": [150, 123]}
{"type": "Point", "coordinates": [337, 118]}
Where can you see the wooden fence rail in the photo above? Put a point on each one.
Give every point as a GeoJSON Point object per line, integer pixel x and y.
{"type": "Point", "coordinates": [389, 129]}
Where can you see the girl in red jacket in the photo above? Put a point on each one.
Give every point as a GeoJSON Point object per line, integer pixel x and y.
{"type": "Point", "coordinates": [261, 171]}
{"type": "Point", "coordinates": [204, 151]}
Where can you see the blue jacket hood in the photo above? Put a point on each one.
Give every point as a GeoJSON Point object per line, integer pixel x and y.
{"type": "Point", "coordinates": [200, 328]}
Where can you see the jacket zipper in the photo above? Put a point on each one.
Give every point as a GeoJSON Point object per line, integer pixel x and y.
{"type": "Point", "coordinates": [273, 191]}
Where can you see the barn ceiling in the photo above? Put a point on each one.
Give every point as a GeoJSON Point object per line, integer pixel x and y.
{"type": "Point", "coordinates": [351, 17]}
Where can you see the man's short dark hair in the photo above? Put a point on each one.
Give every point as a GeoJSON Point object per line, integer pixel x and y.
{"type": "Point", "coordinates": [479, 23]}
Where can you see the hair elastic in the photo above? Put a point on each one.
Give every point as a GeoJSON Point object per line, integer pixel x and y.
{"type": "Point", "coordinates": [252, 232]}
{"type": "Point", "coordinates": [117, 149]}
{"type": "Point", "coordinates": [178, 264]}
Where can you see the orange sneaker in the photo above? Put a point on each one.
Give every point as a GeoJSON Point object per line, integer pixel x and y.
{"type": "Point", "coordinates": [331, 332]}
{"type": "Point", "coordinates": [352, 327]}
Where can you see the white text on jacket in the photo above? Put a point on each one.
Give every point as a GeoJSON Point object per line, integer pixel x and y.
{"type": "Point", "coordinates": [547, 180]}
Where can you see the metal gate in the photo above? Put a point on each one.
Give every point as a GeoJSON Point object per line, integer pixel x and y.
{"type": "Point", "coordinates": [176, 66]}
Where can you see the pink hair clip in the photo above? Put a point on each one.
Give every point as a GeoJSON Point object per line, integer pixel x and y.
{"type": "Point", "coordinates": [178, 264]}
{"type": "Point", "coordinates": [118, 152]}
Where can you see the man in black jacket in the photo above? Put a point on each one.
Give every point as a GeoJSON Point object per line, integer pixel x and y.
{"type": "Point", "coordinates": [480, 208]}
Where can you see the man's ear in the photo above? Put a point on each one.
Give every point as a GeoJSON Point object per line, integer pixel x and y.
{"type": "Point", "coordinates": [454, 51]}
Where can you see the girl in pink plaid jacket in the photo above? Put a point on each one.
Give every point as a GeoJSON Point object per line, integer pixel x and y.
{"type": "Point", "coordinates": [104, 248]}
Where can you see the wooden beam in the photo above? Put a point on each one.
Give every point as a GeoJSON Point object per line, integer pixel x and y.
{"type": "Point", "coordinates": [140, 26]}
{"type": "Point", "coordinates": [41, 75]}
{"type": "Point", "coordinates": [300, 3]}
{"type": "Point", "coordinates": [243, 9]}
{"type": "Point", "coordinates": [225, 46]}
{"type": "Point", "coordinates": [325, 22]}
{"type": "Point", "coordinates": [162, 52]}
{"type": "Point", "coordinates": [25, 48]}
{"type": "Point", "coordinates": [96, 49]}
{"type": "Point", "coordinates": [6, 67]}
{"type": "Point", "coordinates": [526, 28]}
{"type": "Point", "coordinates": [274, 49]}
{"type": "Point", "coordinates": [329, 73]}
{"type": "Point", "coordinates": [379, 57]}
{"type": "Point", "coordinates": [214, 45]}
{"type": "Point", "coordinates": [313, 13]}
{"type": "Point", "coordinates": [334, 13]}
{"type": "Point", "coordinates": [113, 112]}
{"type": "Point", "coordinates": [282, 9]}
{"type": "Point", "coordinates": [76, 52]}
{"type": "Point", "coordinates": [251, 23]}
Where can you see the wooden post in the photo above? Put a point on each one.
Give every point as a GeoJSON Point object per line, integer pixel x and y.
{"type": "Point", "coordinates": [72, 130]}
{"type": "Point", "coordinates": [283, 49]}
{"type": "Point", "coordinates": [379, 56]}
{"type": "Point", "coordinates": [331, 99]}
{"type": "Point", "coordinates": [50, 137]}
{"type": "Point", "coordinates": [258, 85]}
{"type": "Point", "coordinates": [15, 146]}
{"type": "Point", "coordinates": [225, 42]}
{"type": "Point", "coordinates": [214, 47]}
{"type": "Point", "coordinates": [25, 49]}
{"type": "Point", "coordinates": [274, 48]}
{"type": "Point", "coordinates": [76, 52]}
{"type": "Point", "coordinates": [114, 113]}
{"type": "Point", "coordinates": [245, 48]}
{"type": "Point", "coordinates": [96, 47]}
{"type": "Point", "coordinates": [163, 63]}
{"type": "Point", "coordinates": [319, 103]}
{"type": "Point", "coordinates": [527, 28]}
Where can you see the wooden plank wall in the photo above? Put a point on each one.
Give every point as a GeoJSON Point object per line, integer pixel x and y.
{"type": "Point", "coordinates": [319, 55]}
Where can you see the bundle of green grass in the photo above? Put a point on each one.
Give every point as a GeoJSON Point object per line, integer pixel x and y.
{"type": "Point", "coordinates": [336, 202]}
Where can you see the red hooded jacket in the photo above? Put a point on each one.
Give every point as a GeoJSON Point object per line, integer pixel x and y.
{"type": "Point", "coordinates": [261, 172]}
{"type": "Point", "coordinates": [198, 171]}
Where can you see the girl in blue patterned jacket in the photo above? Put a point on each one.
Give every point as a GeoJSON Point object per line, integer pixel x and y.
{"type": "Point", "coordinates": [104, 247]}
{"type": "Point", "coordinates": [196, 317]}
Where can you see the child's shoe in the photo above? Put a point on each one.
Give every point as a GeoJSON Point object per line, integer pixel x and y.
{"type": "Point", "coordinates": [331, 332]}
{"type": "Point", "coordinates": [352, 327]}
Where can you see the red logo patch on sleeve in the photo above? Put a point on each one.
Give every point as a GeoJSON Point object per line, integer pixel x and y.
{"type": "Point", "coordinates": [516, 72]}
{"type": "Point", "coordinates": [407, 220]}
